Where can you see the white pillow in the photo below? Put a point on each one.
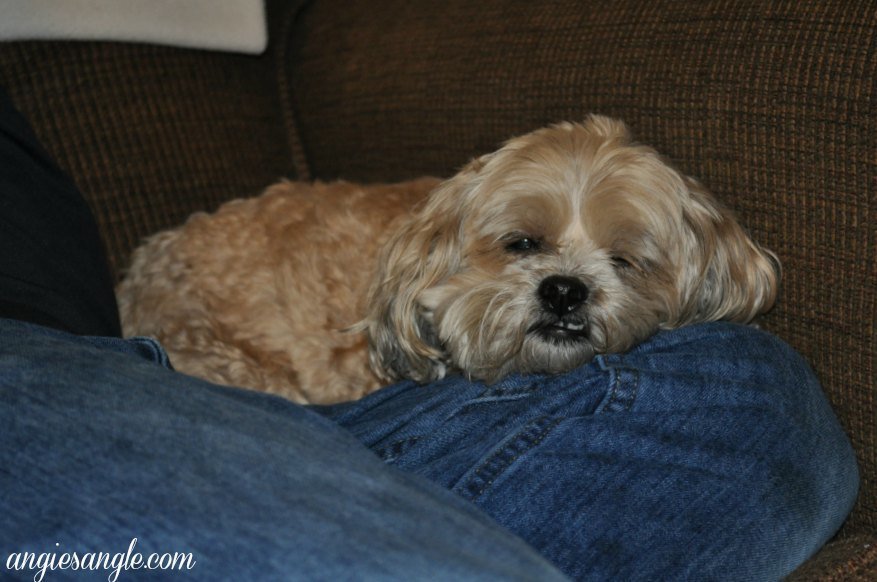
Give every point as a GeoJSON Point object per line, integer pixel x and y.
{"type": "Point", "coordinates": [227, 25]}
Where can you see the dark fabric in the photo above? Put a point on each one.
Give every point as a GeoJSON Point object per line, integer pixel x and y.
{"type": "Point", "coordinates": [771, 104]}
{"type": "Point", "coordinates": [150, 134]}
{"type": "Point", "coordinates": [53, 269]}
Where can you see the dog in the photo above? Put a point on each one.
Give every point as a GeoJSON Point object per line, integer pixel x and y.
{"type": "Point", "coordinates": [567, 242]}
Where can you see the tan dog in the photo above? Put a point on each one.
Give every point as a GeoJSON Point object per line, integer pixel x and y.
{"type": "Point", "coordinates": [567, 242]}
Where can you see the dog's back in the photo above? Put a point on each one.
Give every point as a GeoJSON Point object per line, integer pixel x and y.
{"type": "Point", "coordinates": [259, 293]}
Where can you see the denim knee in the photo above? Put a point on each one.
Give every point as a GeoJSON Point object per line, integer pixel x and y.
{"type": "Point", "coordinates": [708, 451]}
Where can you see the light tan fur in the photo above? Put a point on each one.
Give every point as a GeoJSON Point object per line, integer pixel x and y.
{"type": "Point", "coordinates": [258, 294]}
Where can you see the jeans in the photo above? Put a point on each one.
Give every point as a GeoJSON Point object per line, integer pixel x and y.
{"type": "Point", "coordinates": [706, 453]}
{"type": "Point", "coordinates": [103, 444]}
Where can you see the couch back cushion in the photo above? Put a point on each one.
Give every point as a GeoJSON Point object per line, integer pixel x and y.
{"type": "Point", "coordinates": [770, 104]}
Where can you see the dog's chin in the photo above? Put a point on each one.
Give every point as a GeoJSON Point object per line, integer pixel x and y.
{"type": "Point", "coordinates": [569, 332]}
{"type": "Point", "coordinates": [556, 347]}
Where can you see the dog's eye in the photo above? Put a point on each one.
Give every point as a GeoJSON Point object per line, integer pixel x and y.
{"type": "Point", "coordinates": [620, 262]}
{"type": "Point", "coordinates": [523, 244]}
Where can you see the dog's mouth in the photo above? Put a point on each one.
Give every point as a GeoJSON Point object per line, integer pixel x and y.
{"type": "Point", "coordinates": [568, 329]}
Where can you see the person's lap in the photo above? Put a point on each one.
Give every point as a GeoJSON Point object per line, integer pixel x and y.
{"type": "Point", "coordinates": [706, 452]}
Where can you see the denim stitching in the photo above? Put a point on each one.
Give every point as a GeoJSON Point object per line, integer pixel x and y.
{"type": "Point", "coordinates": [492, 394]}
{"type": "Point", "coordinates": [623, 385]}
{"type": "Point", "coordinates": [396, 449]}
{"type": "Point", "coordinates": [624, 391]}
{"type": "Point", "coordinates": [156, 352]}
{"type": "Point", "coordinates": [495, 465]}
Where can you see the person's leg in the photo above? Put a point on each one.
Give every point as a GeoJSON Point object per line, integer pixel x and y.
{"type": "Point", "coordinates": [53, 269]}
{"type": "Point", "coordinates": [101, 444]}
{"type": "Point", "coordinates": [708, 452]}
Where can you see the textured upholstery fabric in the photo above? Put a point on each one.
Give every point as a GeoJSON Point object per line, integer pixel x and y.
{"type": "Point", "coordinates": [851, 558]}
{"type": "Point", "coordinates": [150, 134]}
{"type": "Point", "coordinates": [771, 104]}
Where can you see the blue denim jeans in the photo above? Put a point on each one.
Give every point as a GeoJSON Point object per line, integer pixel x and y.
{"type": "Point", "coordinates": [705, 453]}
{"type": "Point", "coordinates": [103, 444]}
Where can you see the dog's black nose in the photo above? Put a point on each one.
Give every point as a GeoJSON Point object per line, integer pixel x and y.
{"type": "Point", "coordinates": [562, 295]}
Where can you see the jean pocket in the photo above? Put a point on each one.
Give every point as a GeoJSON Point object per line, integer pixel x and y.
{"type": "Point", "coordinates": [623, 385]}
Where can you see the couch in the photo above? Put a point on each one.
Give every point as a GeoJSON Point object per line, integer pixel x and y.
{"type": "Point", "coordinates": [770, 103]}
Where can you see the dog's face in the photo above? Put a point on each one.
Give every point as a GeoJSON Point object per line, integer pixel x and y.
{"type": "Point", "coordinates": [568, 242]}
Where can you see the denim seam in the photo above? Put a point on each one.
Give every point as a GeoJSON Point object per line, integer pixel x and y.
{"type": "Point", "coordinates": [159, 356]}
{"type": "Point", "coordinates": [623, 386]}
{"type": "Point", "coordinates": [488, 396]}
{"type": "Point", "coordinates": [396, 449]}
{"type": "Point", "coordinates": [499, 461]}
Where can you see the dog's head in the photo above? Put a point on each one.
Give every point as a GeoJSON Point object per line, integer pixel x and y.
{"type": "Point", "coordinates": [568, 242]}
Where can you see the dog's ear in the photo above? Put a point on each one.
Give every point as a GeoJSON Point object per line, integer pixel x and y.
{"type": "Point", "coordinates": [424, 252]}
{"type": "Point", "coordinates": [728, 276]}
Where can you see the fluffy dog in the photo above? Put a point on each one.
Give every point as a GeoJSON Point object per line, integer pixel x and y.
{"type": "Point", "coordinates": [567, 242]}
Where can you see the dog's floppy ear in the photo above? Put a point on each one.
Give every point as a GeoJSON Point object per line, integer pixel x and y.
{"type": "Point", "coordinates": [423, 253]}
{"type": "Point", "coordinates": [735, 279]}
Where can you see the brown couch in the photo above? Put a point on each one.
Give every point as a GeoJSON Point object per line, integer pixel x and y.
{"type": "Point", "coordinates": [771, 104]}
